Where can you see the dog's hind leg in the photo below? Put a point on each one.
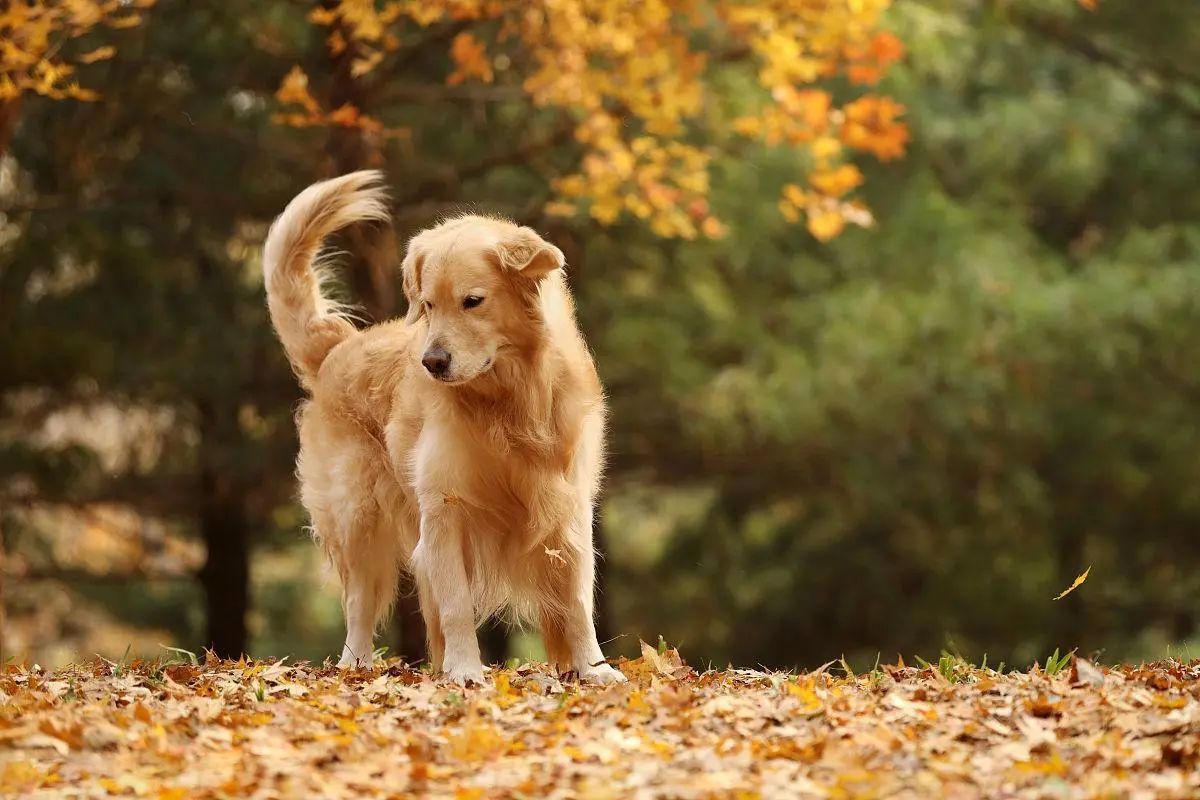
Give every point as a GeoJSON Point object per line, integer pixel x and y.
{"type": "Point", "coordinates": [555, 638]}
{"type": "Point", "coordinates": [369, 565]}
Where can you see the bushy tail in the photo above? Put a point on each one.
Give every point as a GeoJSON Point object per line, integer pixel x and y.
{"type": "Point", "coordinates": [308, 323]}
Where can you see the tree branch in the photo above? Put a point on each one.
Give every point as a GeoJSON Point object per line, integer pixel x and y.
{"type": "Point", "coordinates": [1160, 79]}
{"type": "Point", "coordinates": [449, 186]}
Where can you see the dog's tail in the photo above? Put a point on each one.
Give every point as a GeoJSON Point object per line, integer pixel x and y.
{"type": "Point", "coordinates": [308, 323]}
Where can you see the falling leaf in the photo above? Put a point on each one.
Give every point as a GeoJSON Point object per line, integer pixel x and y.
{"type": "Point", "coordinates": [1083, 576]}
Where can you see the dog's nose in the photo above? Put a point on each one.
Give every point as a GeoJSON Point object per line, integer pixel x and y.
{"type": "Point", "coordinates": [437, 361]}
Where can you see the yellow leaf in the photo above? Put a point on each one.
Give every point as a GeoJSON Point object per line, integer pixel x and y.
{"type": "Point", "coordinates": [361, 66]}
{"type": "Point", "coordinates": [128, 21]}
{"type": "Point", "coordinates": [322, 16]}
{"type": "Point", "coordinates": [99, 54]}
{"type": "Point", "coordinates": [789, 211]}
{"type": "Point", "coordinates": [825, 147]}
{"type": "Point", "coordinates": [1083, 576]}
{"type": "Point", "coordinates": [836, 182]}
{"type": "Point", "coordinates": [825, 224]}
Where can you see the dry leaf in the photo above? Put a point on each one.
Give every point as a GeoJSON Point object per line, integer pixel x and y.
{"type": "Point", "coordinates": [1083, 576]}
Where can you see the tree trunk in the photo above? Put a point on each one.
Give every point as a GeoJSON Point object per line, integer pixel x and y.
{"type": "Point", "coordinates": [371, 268]}
{"type": "Point", "coordinates": [225, 575]}
{"type": "Point", "coordinates": [372, 247]}
{"type": "Point", "coordinates": [10, 113]}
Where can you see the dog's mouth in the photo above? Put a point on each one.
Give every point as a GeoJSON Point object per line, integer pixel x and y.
{"type": "Point", "coordinates": [450, 381]}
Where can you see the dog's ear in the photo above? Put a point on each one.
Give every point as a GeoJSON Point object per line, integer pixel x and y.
{"type": "Point", "coordinates": [532, 256]}
{"type": "Point", "coordinates": [410, 275]}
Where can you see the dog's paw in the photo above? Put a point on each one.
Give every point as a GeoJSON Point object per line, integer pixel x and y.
{"type": "Point", "coordinates": [351, 661]}
{"type": "Point", "coordinates": [601, 674]}
{"type": "Point", "coordinates": [464, 674]}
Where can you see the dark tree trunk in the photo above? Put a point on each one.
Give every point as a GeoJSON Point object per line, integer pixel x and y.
{"type": "Point", "coordinates": [10, 113]}
{"type": "Point", "coordinates": [225, 530]}
{"type": "Point", "coordinates": [372, 248]}
{"type": "Point", "coordinates": [371, 269]}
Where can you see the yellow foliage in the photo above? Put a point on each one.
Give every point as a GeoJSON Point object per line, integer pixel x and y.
{"type": "Point", "coordinates": [633, 79]}
{"type": "Point", "coordinates": [836, 182]}
{"type": "Point", "coordinates": [35, 37]}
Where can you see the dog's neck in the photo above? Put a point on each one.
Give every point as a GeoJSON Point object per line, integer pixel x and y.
{"type": "Point", "coordinates": [514, 406]}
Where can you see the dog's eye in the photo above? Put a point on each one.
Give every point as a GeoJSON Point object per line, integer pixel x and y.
{"type": "Point", "coordinates": [471, 301]}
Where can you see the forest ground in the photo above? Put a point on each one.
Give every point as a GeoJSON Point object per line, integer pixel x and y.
{"type": "Point", "coordinates": [188, 727]}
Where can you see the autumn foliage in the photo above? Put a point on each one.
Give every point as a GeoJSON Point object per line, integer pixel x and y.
{"type": "Point", "coordinates": [180, 728]}
{"type": "Point", "coordinates": [33, 39]}
{"type": "Point", "coordinates": [636, 81]}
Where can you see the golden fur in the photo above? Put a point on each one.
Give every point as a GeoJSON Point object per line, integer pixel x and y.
{"type": "Point", "coordinates": [481, 480]}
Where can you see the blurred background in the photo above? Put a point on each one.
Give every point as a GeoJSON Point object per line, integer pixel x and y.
{"type": "Point", "coordinates": [898, 309]}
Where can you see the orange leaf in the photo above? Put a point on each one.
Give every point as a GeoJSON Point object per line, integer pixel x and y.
{"type": "Point", "coordinates": [294, 89]}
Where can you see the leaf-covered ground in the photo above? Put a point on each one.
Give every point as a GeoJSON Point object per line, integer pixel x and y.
{"type": "Point", "coordinates": [269, 729]}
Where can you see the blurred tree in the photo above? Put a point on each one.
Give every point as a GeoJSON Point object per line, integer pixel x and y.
{"type": "Point", "coordinates": [128, 285]}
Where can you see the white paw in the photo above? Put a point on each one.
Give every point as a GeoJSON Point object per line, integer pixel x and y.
{"type": "Point", "coordinates": [601, 674]}
{"type": "Point", "coordinates": [351, 661]}
{"type": "Point", "coordinates": [464, 674]}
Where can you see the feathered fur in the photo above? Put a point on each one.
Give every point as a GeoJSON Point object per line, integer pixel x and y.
{"type": "Point", "coordinates": [308, 323]}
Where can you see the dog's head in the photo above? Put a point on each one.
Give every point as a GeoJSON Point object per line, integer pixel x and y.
{"type": "Point", "coordinates": [475, 280]}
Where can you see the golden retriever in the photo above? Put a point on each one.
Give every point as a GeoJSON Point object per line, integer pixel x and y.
{"type": "Point", "coordinates": [463, 443]}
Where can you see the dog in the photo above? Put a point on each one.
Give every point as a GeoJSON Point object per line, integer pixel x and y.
{"type": "Point", "coordinates": [462, 443]}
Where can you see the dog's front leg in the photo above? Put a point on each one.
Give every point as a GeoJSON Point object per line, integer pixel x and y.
{"type": "Point", "coordinates": [568, 623]}
{"type": "Point", "coordinates": [439, 558]}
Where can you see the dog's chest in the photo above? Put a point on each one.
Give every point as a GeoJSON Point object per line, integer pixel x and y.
{"type": "Point", "coordinates": [506, 485]}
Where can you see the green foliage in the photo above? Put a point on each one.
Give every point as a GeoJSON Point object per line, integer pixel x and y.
{"type": "Point", "coordinates": [1055, 663]}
